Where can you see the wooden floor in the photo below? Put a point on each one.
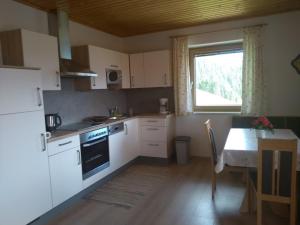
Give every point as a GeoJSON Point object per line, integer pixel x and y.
{"type": "Point", "coordinates": [165, 195]}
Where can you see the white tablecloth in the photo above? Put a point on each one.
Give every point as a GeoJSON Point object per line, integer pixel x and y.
{"type": "Point", "coordinates": [241, 147]}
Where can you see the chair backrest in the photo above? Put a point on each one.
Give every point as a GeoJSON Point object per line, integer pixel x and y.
{"type": "Point", "coordinates": [211, 139]}
{"type": "Point", "coordinates": [276, 170]}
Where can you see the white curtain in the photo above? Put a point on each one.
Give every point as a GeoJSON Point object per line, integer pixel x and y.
{"type": "Point", "coordinates": [182, 81]}
{"type": "Point", "coordinates": [253, 84]}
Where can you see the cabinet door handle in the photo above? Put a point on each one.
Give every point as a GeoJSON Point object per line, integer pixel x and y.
{"type": "Point", "coordinates": [78, 157]}
{"type": "Point", "coordinates": [43, 139]}
{"type": "Point", "coordinates": [94, 81]}
{"type": "Point", "coordinates": [152, 129]}
{"type": "Point", "coordinates": [152, 121]}
{"type": "Point", "coordinates": [132, 81]}
{"type": "Point", "coordinates": [39, 96]}
{"type": "Point", "coordinates": [165, 79]}
{"type": "Point", "coordinates": [57, 79]}
{"type": "Point", "coordinates": [126, 129]}
{"type": "Point", "coordinates": [66, 143]}
{"type": "Point", "coordinates": [153, 145]}
{"type": "Point", "coordinates": [115, 66]}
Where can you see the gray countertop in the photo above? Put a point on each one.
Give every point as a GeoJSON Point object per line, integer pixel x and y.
{"type": "Point", "coordinates": [61, 134]}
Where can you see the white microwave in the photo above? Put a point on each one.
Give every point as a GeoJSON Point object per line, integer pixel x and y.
{"type": "Point", "coordinates": [113, 76]}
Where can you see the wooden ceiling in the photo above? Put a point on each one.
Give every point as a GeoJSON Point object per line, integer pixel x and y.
{"type": "Point", "coordinates": [132, 17]}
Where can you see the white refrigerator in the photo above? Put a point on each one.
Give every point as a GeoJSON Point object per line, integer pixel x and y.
{"type": "Point", "coordinates": [24, 171]}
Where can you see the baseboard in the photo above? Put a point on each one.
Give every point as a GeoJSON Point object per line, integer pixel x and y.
{"type": "Point", "coordinates": [154, 160]}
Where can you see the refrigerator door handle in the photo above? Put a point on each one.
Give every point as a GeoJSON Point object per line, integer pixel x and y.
{"type": "Point", "coordinates": [39, 95]}
{"type": "Point", "coordinates": [43, 137]}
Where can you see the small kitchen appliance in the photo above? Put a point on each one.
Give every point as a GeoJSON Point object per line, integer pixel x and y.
{"type": "Point", "coordinates": [163, 106]}
{"type": "Point", "coordinates": [53, 121]}
{"type": "Point", "coordinates": [114, 78]}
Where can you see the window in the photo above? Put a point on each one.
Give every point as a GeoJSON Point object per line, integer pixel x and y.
{"type": "Point", "coordinates": [217, 77]}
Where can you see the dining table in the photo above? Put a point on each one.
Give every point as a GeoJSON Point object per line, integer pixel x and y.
{"type": "Point", "coordinates": [241, 147]}
{"type": "Point", "coordinates": [241, 150]}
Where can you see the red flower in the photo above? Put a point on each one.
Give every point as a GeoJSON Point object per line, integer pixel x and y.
{"type": "Point", "coordinates": [262, 123]}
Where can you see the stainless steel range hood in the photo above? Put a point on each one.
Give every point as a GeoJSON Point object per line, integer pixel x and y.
{"type": "Point", "coordinates": [59, 26]}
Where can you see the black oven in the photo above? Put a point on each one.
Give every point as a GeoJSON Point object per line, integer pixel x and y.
{"type": "Point", "coordinates": [94, 151]}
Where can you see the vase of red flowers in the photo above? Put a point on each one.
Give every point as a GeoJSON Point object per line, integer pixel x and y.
{"type": "Point", "coordinates": [262, 123]}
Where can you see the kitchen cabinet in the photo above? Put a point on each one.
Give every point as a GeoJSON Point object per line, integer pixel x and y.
{"type": "Point", "coordinates": [124, 146]}
{"type": "Point", "coordinates": [112, 59]}
{"type": "Point", "coordinates": [157, 136]}
{"type": "Point", "coordinates": [20, 90]}
{"type": "Point", "coordinates": [117, 151]}
{"type": "Point", "coordinates": [30, 49]}
{"type": "Point", "coordinates": [124, 66]}
{"type": "Point", "coordinates": [65, 171]}
{"type": "Point", "coordinates": [24, 170]}
{"type": "Point", "coordinates": [137, 70]}
{"type": "Point", "coordinates": [157, 69]}
{"type": "Point", "coordinates": [98, 60]}
{"type": "Point", "coordinates": [93, 58]}
{"type": "Point", "coordinates": [150, 69]}
{"type": "Point", "coordinates": [64, 144]}
{"type": "Point", "coordinates": [131, 129]}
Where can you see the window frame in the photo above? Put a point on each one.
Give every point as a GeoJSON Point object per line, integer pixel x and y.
{"type": "Point", "coordinates": [211, 50]}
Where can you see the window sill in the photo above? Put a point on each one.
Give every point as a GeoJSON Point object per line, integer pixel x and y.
{"type": "Point", "coordinates": [216, 113]}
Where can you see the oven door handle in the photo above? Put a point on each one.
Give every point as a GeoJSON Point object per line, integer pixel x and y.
{"type": "Point", "coordinates": [94, 143]}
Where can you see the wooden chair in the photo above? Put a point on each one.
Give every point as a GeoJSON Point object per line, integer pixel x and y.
{"type": "Point", "coordinates": [213, 157]}
{"type": "Point", "coordinates": [275, 178]}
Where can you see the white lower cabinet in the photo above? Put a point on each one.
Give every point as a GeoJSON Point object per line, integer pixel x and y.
{"type": "Point", "coordinates": [65, 172]}
{"type": "Point", "coordinates": [124, 146]}
{"type": "Point", "coordinates": [157, 136]}
{"type": "Point", "coordinates": [154, 149]}
{"type": "Point", "coordinates": [132, 139]}
{"type": "Point", "coordinates": [117, 150]}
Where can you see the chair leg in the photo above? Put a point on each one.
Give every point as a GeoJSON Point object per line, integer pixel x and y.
{"type": "Point", "coordinates": [259, 212]}
{"type": "Point", "coordinates": [249, 199]}
{"type": "Point", "coordinates": [249, 192]}
{"type": "Point", "coordinates": [213, 186]}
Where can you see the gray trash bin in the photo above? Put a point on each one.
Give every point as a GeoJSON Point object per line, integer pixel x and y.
{"type": "Point", "coordinates": [182, 144]}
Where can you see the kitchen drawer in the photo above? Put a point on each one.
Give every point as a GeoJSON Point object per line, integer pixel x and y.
{"type": "Point", "coordinates": [63, 145]}
{"type": "Point", "coordinates": [154, 149]}
{"type": "Point", "coordinates": [153, 122]}
{"type": "Point", "coordinates": [152, 133]}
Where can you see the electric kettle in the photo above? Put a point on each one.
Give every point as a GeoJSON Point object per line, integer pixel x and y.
{"type": "Point", "coordinates": [53, 121]}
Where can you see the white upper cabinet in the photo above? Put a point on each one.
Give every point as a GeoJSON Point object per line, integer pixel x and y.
{"type": "Point", "coordinates": [150, 69]}
{"type": "Point", "coordinates": [98, 60]}
{"type": "Point", "coordinates": [20, 90]}
{"type": "Point", "coordinates": [112, 59]}
{"type": "Point", "coordinates": [125, 70]}
{"type": "Point", "coordinates": [30, 49]}
{"type": "Point", "coordinates": [137, 70]}
{"type": "Point", "coordinates": [157, 69]}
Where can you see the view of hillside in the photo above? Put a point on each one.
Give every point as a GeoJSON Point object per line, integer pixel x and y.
{"type": "Point", "coordinates": [219, 79]}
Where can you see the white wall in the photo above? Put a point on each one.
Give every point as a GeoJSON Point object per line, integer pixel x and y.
{"type": "Point", "coordinates": [15, 15]}
{"type": "Point", "coordinates": [281, 45]}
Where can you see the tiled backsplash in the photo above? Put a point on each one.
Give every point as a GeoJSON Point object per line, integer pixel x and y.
{"type": "Point", "coordinates": [146, 100]}
{"type": "Point", "coordinates": [74, 105]}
